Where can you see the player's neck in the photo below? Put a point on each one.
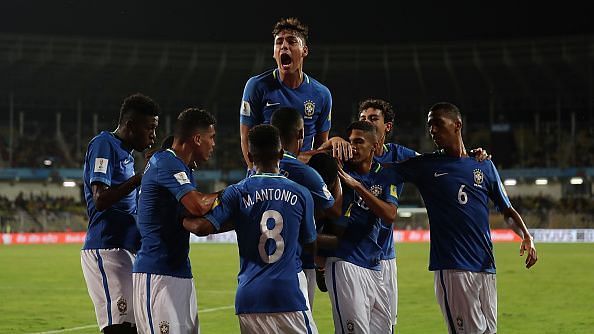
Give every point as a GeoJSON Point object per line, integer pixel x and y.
{"type": "Point", "coordinates": [267, 168]}
{"type": "Point", "coordinates": [292, 148]}
{"type": "Point", "coordinates": [292, 79]}
{"type": "Point", "coordinates": [362, 168]}
{"type": "Point", "coordinates": [380, 147]}
{"type": "Point", "coordinates": [183, 152]}
{"type": "Point", "coordinates": [120, 134]}
{"type": "Point", "coordinates": [456, 150]}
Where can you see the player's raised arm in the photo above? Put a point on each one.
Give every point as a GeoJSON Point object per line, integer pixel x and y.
{"type": "Point", "coordinates": [515, 221]}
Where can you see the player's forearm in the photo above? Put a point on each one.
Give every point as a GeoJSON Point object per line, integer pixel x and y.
{"type": "Point", "coordinates": [198, 204]}
{"type": "Point", "coordinates": [244, 130]}
{"type": "Point", "coordinates": [516, 223]}
{"type": "Point", "coordinates": [327, 241]}
{"type": "Point", "coordinates": [199, 226]}
{"type": "Point", "coordinates": [382, 209]}
{"type": "Point", "coordinates": [335, 210]}
{"type": "Point", "coordinates": [104, 198]}
{"type": "Point", "coordinates": [320, 139]}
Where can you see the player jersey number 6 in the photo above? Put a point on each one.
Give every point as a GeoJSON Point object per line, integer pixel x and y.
{"type": "Point", "coordinates": [274, 234]}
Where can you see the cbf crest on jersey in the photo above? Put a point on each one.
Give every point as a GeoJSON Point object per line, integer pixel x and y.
{"type": "Point", "coordinates": [376, 190]}
{"type": "Point", "coordinates": [164, 327]}
{"type": "Point", "coordinates": [310, 108]}
{"type": "Point", "coordinates": [478, 176]}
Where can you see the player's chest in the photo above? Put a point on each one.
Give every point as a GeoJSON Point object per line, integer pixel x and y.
{"type": "Point", "coordinates": [456, 181]}
{"type": "Point", "coordinates": [305, 103]}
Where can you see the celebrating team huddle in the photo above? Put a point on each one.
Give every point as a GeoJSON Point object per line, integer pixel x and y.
{"type": "Point", "coordinates": [312, 211]}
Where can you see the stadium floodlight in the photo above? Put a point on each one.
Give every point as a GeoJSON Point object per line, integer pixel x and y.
{"type": "Point", "coordinates": [69, 184]}
{"type": "Point", "coordinates": [576, 180]}
{"type": "Point", "coordinates": [47, 162]}
{"type": "Point", "coordinates": [541, 182]}
{"type": "Point", "coordinates": [510, 182]}
{"type": "Point", "coordinates": [405, 214]}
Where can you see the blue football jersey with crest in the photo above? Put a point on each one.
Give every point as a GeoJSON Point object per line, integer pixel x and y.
{"type": "Point", "coordinates": [297, 171]}
{"type": "Point", "coordinates": [273, 216]}
{"type": "Point", "coordinates": [265, 93]}
{"type": "Point", "coordinates": [359, 243]}
{"type": "Point", "coordinates": [456, 192]}
{"type": "Point", "coordinates": [392, 153]}
{"type": "Point", "coordinates": [165, 241]}
{"type": "Point", "coordinates": [107, 161]}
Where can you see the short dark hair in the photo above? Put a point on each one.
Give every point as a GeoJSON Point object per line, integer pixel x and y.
{"type": "Point", "coordinates": [167, 142]}
{"type": "Point", "coordinates": [291, 24]}
{"type": "Point", "coordinates": [285, 119]}
{"type": "Point", "coordinates": [190, 120]}
{"type": "Point", "coordinates": [363, 126]}
{"type": "Point", "coordinates": [138, 104]}
{"type": "Point", "coordinates": [383, 105]}
{"type": "Point", "coordinates": [264, 142]}
{"type": "Point", "coordinates": [325, 165]}
{"type": "Point", "coordinates": [448, 109]}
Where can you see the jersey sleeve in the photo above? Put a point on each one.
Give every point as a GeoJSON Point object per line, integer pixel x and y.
{"type": "Point", "coordinates": [322, 197]}
{"type": "Point", "coordinates": [497, 191]}
{"type": "Point", "coordinates": [307, 229]}
{"type": "Point", "coordinates": [250, 111]}
{"type": "Point", "coordinates": [403, 171]}
{"type": "Point", "coordinates": [323, 122]}
{"type": "Point", "coordinates": [390, 188]}
{"type": "Point", "coordinates": [101, 161]}
{"type": "Point", "coordinates": [222, 208]}
{"type": "Point", "coordinates": [173, 175]}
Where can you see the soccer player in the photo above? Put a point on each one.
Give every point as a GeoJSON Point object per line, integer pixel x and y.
{"type": "Point", "coordinates": [273, 216]}
{"type": "Point", "coordinates": [456, 189]}
{"type": "Point", "coordinates": [287, 85]}
{"type": "Point", "coordinates": [112, 238]}
{"type": "Point", "coordinates": [353, 273]}
{"type": "Point", "coordinates": [328, 203]}
{"type": "Point", "coordinates": [163, 285]}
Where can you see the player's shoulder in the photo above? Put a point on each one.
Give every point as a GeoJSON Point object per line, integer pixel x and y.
{"type": "Point", "coordinates": [404, 152]}
{"type": "Point", "coordinates": [103, 138]}
{"type": "Point", "coordinates": [320, 87]}
{"type": "Point", "coordinates": [264, 78]}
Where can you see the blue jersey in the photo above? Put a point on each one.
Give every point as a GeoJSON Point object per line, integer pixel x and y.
{"type": "Point", "coordinates": [165, 241]}
{"type": "Point", "coordinates": [108, 162]}
{"type": "Point", "coordinates": [297, 171]}
{"type": "Point", "coordinates": [272, 216]}
{"type": "Point", "coordinates": [359, 243]}
{"type": "Point", "coordinates": [392, 153]}
{"type": "Point", "coordinates": [265, 93]}
{"type": "Point", "coordinates": [456, 192]}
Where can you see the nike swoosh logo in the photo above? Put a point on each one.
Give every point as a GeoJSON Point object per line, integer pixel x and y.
{"type": "Point", "coordinates": [268, 104]}
{"type": "Point", "coordinates": [436, 174]}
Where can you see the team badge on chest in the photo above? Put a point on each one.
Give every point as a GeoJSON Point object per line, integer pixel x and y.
{"type": "Point", "coordinates": [309, 108]}
{"type": "Point", "coordinates": [478, 177]}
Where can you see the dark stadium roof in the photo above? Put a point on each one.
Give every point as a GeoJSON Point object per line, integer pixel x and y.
{"type": "Point", "coordinates": [251, 21]}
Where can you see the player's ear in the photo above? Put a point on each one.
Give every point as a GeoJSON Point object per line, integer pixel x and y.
{"type": "Point", "coordinates": [305, 51]}
{"type": "Point", "coordinates": [197, 139]}
{"type": "Point", "coordinates": [389, 126]}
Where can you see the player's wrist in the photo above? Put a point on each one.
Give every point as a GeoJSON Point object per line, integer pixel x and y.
{"type": "Point", "coordinates": [528, 238]}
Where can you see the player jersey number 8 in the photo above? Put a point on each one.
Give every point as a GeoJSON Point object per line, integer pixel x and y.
{"type": "Point", "coordinates": [274, 234]}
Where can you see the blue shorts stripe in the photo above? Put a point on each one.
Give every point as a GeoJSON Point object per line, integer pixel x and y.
{"type": "Point", "coordinates": [148, 302]}
{"type": "Point", "coordinates": [336, 295]}
{"type": "Point", "coordinates": [306, 322]}
{"type": "Point", "coordinates": [447, 305]}
{"type": "Point", "coordinates": [105, 287]}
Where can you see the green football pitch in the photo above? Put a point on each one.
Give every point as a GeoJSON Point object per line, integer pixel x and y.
{"type": "Point", "coordinates": [42, 290]}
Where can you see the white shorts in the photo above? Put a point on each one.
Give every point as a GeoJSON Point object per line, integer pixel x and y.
{"type": "Point", "coordinates": [273, 323]}
{"type": "Point", "coordinates": [165, 304]}
{"type": "Point", "coordinates": [108, 274]}
{"type": "Point", "coordinates": [310, 275]}
{"type": "Point", "coordinates": [468, 301]}
{"type": "Point", "coordinates": [390, 274]}
{"type": "Point", "coordinates": [359, 303]}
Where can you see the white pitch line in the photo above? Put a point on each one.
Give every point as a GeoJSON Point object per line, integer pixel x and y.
{"type": "Point", "coordinates": [207, 310]}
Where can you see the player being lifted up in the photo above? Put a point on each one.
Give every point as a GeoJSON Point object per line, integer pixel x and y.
{"type": "Point", "coordinates": [110, 192]}
{"type": "Point", "coordinates": [273, 216]}
{"type": "Point", "coordinates": [456, 189]}
{"type": "Point", "coordinates": [327, 202]}
{"type": "Point", "coordinates": [353, 272]}
{"type": "Point", "coordinates": [163, 284]}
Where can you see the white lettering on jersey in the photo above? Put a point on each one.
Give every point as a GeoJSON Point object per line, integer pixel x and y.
{"type": "Point", "coordinates": [101, 165]}
{"type": "Point", "coordinates": [246, 109]}
{"type": "Point", "coordinates": [270, 195]}
{"type": "Point", "coordinates": [182, 178]}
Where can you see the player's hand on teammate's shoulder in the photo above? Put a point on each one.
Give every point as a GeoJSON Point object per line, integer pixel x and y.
{"type": "Point", "coordinates": [480, 154]}
{"type": "Point", "coordinates": [529, 248]}
{"type": "Point", "coordinates": [338, 148]}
